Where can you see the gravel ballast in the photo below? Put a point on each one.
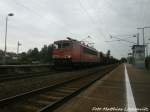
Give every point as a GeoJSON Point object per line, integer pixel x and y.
{"type": "Point", "coordinates": [15, 87]}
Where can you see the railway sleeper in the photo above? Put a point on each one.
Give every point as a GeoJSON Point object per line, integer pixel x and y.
{"type": "Point", "coordinates": [56, 94]}
{"type": "Point", "coordinates": [68, 88]}
{"type": "Point", "coordinates": [49, 97]}
{"type": "Point", "coordinates": [32, 105]}
{"type": "Point", "coordinates": [66, 91]}
{"type": "Point", "coordinates": [26, 108]}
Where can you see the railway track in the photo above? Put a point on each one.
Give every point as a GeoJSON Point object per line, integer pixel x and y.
{"type": "Point", "coordinates": [4, 78]}
{"type": "Point", "coordinates": [15, 76]}
{"type": "Point", "coordinates": [14, 72]}
{"type": "Point", "coordinates": [49, 98]}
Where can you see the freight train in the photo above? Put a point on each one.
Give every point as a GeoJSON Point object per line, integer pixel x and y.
{"type": "Point", "coordinates": [72, 52]}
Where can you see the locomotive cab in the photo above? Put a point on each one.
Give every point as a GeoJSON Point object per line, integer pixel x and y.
{"type": "Point", "coordinates": [62, 52]}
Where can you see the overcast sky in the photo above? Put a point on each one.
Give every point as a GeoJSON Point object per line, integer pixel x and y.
{"type": "Point", "coordinates": [39, 22]}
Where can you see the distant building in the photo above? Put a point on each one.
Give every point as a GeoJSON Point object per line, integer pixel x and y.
{"type": "Point", "coordinates": [11, 57]}
{"type": "Point", "coordinates": [130, 58]}
{"type": "Point", "coordinates": [138, 55]}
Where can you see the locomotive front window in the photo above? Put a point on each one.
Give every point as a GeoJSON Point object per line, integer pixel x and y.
{"type": "Point", "coordinates": [62, 45]}
{"type": "Point", "coordinates": [57, 45]}
{"type": "Point", "coordinates": [66, 45]}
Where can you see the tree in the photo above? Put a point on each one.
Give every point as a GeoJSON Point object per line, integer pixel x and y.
{"type": "Point", "coordinates": [50, 52]}
{"type": "Point", "coordinates": [108, 53]}
{"type": "Point", "coordinates": [46, 54]}
{"type": "Point", "coordinates": [23, 58]}
{"type": "Point", "coordinates": [33, 54]}
{"type": "Point", "coordinates": [43, 54]}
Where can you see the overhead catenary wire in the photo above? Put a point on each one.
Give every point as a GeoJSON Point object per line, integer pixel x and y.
{"type": "Point", "coordinates": [100, 20]}
{"type": "Point", "coordinates": [39, 15]}
{"type": "Point", "coordinates": [93, 22]}
{"type": "Point", "coordinates": [66, 25]}
{"type": "Point", "coordinates": [63, 27]}
{"type": "Point", "coordinates": [122, 40]}
{"type": "Point", "coordinates": [90, 18]}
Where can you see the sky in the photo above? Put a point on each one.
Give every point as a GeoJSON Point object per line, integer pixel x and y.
{"type": "Point", "coordinates": [39, 22]}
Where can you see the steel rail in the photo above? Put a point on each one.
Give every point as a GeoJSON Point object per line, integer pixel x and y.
{"type": "Point", "coordinates": [9, 100]}
{"type": "Point", "coordinates": [6, 78]}
{"type": "Point", "coordinates": [61, 101]}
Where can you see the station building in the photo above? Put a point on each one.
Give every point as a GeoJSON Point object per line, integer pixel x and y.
{"type": "Point", "coordinates": [138, 52]}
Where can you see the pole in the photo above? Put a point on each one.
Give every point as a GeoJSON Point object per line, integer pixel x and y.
{"type": "Point", "coordinates": [147, 50]}
{"type": "Point", "coordinates": [17, 47]}
{"type": "Point", "coordinates": [4, 61]}
{"type": "Point", "coordinates": [143, 37]}
{"type": "Point", "coordinates": [5, 50]}
{"type": "Point", "coordinates": [137, 36]}
{"type": "Point", "coordinates": [143, 34]}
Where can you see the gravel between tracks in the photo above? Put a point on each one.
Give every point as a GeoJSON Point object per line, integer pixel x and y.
{"type": "Point", "coordinates": [23, 85]}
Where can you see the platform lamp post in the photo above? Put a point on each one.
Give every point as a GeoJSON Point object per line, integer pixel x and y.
{"type": "Point", "coordinates": [10, 14]}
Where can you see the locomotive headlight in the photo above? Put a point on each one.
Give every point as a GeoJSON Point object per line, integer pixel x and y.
{"type": "Point", "coordinates": [67, 56]}
{"type": "Point", "coordinates": [55, 56]}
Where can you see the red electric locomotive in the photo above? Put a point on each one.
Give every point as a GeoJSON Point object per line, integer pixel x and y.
{"type": "Point", "coordinates": [73, 52]}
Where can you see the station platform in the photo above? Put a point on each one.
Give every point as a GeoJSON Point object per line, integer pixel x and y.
{"type": "Point", "coordinates": [126, 88]}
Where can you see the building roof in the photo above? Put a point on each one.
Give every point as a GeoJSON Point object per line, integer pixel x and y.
{"type": "Point", "coordinates": [135, 46]}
